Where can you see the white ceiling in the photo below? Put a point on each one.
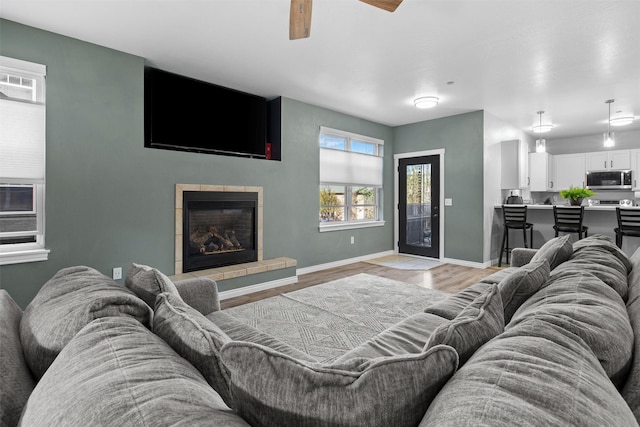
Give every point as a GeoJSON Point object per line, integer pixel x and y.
{"type": "Point", "coordinates": [510, 58]}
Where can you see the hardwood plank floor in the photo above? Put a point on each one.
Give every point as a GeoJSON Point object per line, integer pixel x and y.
{"type": "Point", "coordinates": [447, 277]}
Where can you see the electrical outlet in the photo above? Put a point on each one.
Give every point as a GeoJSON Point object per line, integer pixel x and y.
{"type": "Point", "coordinates": [353, 240]}
{"type": "Point", "coordinates": [117, 273]}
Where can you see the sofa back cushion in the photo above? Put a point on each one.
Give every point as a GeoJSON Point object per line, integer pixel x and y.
{"type": "Point", "coordinates": [147, 282]}
{"type": "Point", "coordinates": [532, 375]}
{"type": "Point", "coordinates": [115, 372]}
{"type": "Point", "coordinates": [590, 312]}
{"type": "Point", "coordinates": [71, 299]}
{"type": "Point", "coordinates": [272, 389]}
{"type": "Point", "coordinates": [16, 381]}
{"type": "Point", "coordinates": [479, 322]}
{"type": "Point", "coordinates": [555, 251]}
{"type": "Point", "coordinates": [521, 284]}
{"type": "Point", "coordinates": [631, 389]}
{"type": "Point", "coordinates": [453, 305]}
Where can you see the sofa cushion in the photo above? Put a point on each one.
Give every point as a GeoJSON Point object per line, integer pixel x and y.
{"type": "Point", "coordinates": [534, 375]}
{"type": "Point", "coordinates": [631, 389]}
{"type": "Point", "coordinates": [584, 306]}
{"type": "Point", "coordinates": [199, 339]}
{"type": "Point", "coordinates": [115, 372]}
{"type": "Point", "coordinates": [453, 305]}
{"type": "Point", "coordinates": [195, 338]}
{"type": "Point", "coordinates": [479, 322]}
{"type": "Point", "coordinates": [519, 286]}
{"type": "Point", "coordinates": [16, 382]}
{"type": "Point", "coordinates": [601, 257]}
{"type": "Point", "coordinates": [556, 251]}
{"type": "Point", "coordinates": [271, 389]}
{"type": "Point", "coordinates": [499, 276]}
{"type": "Point", "coordinates": [71, 299]}
{"type": "Point", "coordinates": [147, 282]}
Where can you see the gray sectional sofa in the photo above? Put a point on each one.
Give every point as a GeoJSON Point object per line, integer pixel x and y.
{"type": "Point", "coordinates": [552, 340]}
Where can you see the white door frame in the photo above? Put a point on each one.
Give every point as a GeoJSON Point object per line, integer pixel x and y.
{"type": "Point", "coordinates": [396, 200]}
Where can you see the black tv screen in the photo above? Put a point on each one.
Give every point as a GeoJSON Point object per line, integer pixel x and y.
{"type": "Point", "coordinates": [182, 113]}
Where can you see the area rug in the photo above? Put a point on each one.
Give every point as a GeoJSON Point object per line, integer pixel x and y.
{"type": "Point", "coordinates": [329, 319]}
{"type": "Point", "coordinates": [405, 262]}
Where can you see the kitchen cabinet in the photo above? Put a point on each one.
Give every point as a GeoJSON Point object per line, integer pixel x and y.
{"type": "Point", "coordinates": [608, 160]}
{"type": "Point", "coordinates": [635, 167]}
{"type": "Point", "coordinates": [541, 172]}
{"type": "Point", "coordinates": [515, 164]}
{"type": "Point", "coordinates": [570, 170]}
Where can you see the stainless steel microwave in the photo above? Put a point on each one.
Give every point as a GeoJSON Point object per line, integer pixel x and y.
{"type": "Point", "coordinates": [609, 180]}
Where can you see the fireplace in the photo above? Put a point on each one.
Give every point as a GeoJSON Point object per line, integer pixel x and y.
{"type": "Point", "coordinates": [220, 228]}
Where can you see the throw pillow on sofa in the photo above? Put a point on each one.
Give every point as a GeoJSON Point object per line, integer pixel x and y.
{"type": "Point", "coordinates": [147, 283]}
{"type": "Point", "coordinates": [272, 389]}
{"type": "Point", "coordinates": [71, 299]}
{"type": "Point", "coordinates": [482, 320]}
{"type": "Point", "coordinates": [519, 286]}
{"type": "Point", "coordinates": [631, 389]}
{"type": "Point", "coordinates": [16, 381]}
{"type": "Point", "coordinates": [556, 251]}
{"type": "Point", "coordinates": [115, 372]}
{"type": "Point", "coordinates": [194, 337]}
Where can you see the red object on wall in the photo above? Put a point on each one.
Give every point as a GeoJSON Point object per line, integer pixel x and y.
{"type": "Point", "coordinates": [268, 151]}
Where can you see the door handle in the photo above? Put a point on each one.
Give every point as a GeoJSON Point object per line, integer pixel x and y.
{"type": "Point", "coordinates": [551, 186]}
{"type": "Point", "coordinates": [611, 164]}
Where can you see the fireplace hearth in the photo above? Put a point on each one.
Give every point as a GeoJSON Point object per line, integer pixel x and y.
{"type": "Point", "coordinates": [220, 228]}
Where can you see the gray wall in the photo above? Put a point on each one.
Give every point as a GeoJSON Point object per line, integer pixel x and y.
{"type": "Point", "coordinates": [110, 201]}
{"type": "Point", "coordinates": [462, 138]}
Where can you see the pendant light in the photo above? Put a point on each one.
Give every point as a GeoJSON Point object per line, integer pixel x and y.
{"type": "Point", "coordinates": [541, 143]}
{"type": "Point", "coordinates": [609, 140]}
{"type": "Point", "coordinates": [542, 128]}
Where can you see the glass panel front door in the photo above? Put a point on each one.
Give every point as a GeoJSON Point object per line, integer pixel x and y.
{"type": "Point", "coordinates": [419, 184]}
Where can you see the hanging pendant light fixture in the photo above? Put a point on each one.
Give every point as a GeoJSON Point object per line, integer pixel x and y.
{"type": "Point", "coordinates": [609, 140]}
{"type": "Point", "coordinates": [541, 143]}
{"type": "Point", "coordinates": [542, 128]}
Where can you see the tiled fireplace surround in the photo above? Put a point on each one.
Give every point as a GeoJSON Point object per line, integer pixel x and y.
{"type": "Point", "coordinates": [231, 271]}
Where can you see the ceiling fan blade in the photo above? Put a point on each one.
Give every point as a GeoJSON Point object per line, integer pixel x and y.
{"type": "Point", "coordinates": [300, 19]}
{"type": "Point", "coordinates": [388, 5]}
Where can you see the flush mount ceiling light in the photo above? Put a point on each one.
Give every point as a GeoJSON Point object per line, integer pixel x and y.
{"type": "Point", "coordinates": [609, 140]}
{"type": "Point", "coordinates": [621, 121]}
{"type": "Point", "coordinates": [426, 102]}
{"type": "Point", "coordinates": [540, 128]}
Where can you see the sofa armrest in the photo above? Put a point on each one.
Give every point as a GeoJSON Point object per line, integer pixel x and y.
{"type": "Point", "coordinates": [521, 256]}
{"type": "Point", "coordinates": [200, 293]}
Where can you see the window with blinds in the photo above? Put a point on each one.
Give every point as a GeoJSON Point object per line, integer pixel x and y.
{"type": "Point", "coordinates": [22, 161]}
{"type": "Point", "coordinates": [350, 180]}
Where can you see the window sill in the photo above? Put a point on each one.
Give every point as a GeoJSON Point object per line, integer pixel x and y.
{"type": "Point", "coordinates": [22, 256]}
{"type": "Point", "coordinates": [349, 226]}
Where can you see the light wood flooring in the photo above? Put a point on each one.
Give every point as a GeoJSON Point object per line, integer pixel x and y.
{"type": "Point", "coordinates": [447, 277]}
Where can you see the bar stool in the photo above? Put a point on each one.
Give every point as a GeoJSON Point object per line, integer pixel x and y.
{"type": "Point", "coordinates": [628, 224]}
{"type": "Point", "coordinates": [515, 218]}
{"type": "Point", "coordinates": [568, 219]}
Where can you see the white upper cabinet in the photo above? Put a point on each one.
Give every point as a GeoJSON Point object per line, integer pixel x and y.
{"type": "Point", "coordinates": [609, 160]}
{"type": "Point", "coordinates": [541, 172]}
{"type": "Point", "coordinates": [515, 164]}
{"type": "Point", "coordinates": [635, 167]}
{"type": "Point", "coordinates": [570, 170]}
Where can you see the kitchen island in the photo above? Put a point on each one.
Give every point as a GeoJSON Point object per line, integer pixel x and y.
{"type": "Point", "coordinates": [601, 219]}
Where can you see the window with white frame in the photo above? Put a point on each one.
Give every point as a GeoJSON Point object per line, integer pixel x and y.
{"type": "Point", "coordinates": [350, 180]}
{"type": "Point", "coordinates": [22, 161]}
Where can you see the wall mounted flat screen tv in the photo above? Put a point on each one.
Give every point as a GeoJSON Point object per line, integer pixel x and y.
{"type": "Point", "coordinates": [182, 113]}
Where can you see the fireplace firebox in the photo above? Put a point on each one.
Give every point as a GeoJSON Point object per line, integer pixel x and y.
{"type": "Point", "coordinates": [219, 229]}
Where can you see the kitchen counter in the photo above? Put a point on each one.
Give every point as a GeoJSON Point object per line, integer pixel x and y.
{"type": "Point", "coordinates": [601, 219]}
{"type": "Point", "coordinates": [586, 207]}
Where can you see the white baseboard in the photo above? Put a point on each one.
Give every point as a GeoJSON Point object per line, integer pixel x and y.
{"type": "Point", "coordinates": [232, 293]}
{"type": "Point", "coordinates": [467, 263]}
{"type": "Point", "coordinates": [320, 267]}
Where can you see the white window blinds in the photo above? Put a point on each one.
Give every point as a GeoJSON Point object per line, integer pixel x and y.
{"type": "Point", "coordinates": [22, 121]}
{"type": "Point", "coordinates": [350, 167]}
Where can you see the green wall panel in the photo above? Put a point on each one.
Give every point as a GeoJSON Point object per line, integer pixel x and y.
{"type": "Point", "coordinates": [462, 138]}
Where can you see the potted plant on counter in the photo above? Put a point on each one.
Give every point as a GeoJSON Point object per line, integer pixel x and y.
{"type": "Point", "coordinates": [576, 194]}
